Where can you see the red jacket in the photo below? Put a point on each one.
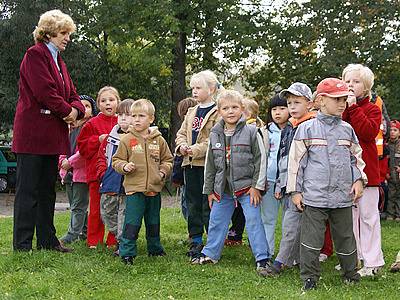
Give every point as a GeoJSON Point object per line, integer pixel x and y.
{"type": "Point", "coordinates": [365, 117]}
{"type": "Point", "coordinates": [89, 144]}
{"type": "Point", "coordinates": [41, 89]}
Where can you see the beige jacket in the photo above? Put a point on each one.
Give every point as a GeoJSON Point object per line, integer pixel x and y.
{"type": "Point", "coordinates": [150, 156]}
{"type": "Point", "coordinates": [184, 136]}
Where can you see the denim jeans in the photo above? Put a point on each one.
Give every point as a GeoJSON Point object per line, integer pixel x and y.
{"type": "Point", "coordinates": [220, 217]}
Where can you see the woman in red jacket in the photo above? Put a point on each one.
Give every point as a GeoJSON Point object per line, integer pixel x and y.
{"type": "Point", "coordinates": [365, 117]}
{"type": "Point", "coordinates": [47, 103]}
{"type": "Point", "coordinates": [92, 135]}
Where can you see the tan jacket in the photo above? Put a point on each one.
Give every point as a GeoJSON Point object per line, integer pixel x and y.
{"type": "Point", "coordinates": [150, 156]}
{"type": "Point", "coordinates": [184, 136]}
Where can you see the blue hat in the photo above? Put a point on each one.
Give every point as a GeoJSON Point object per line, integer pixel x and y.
{"type": "Point", "coordinates": [92, 103]}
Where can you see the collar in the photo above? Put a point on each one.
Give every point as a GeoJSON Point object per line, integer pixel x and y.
{"type": "Point", "coordinates": [219, 127]}
{"type": "Point", "coordinates": [327, 119]}
{"type": "Point", "coordinates": [363, 100]}
{"type": "Point", "coordinates": [307, 116]}
{"type": "Point", "coordinates": [53, 50]}
{"type": "Point", "coordinates": [206, 105]}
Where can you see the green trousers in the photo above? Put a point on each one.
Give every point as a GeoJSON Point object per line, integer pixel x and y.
{"type": "Point", "coordinates": [139, 206]}
{"type": "Point", "coordinates": [313, 224]}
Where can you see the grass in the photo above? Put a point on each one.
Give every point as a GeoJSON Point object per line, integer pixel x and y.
{"type": "Point", "coordinates": [94, 274]}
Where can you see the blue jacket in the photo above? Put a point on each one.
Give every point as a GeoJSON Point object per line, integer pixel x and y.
{"type": "Point", "coordinates": [112, 181]}
{"type": "Point", "coordinates": [274, 142]}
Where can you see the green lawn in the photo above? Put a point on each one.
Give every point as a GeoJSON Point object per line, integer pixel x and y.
{"type": "Point", "coordinates": [95, 274]}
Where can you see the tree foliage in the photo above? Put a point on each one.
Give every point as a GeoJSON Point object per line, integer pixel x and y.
{"type": "Point", "coordinates": [317, 39]}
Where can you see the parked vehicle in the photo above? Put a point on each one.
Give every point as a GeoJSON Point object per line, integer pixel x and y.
{"type": "Point", "coordinates": [8, 169]}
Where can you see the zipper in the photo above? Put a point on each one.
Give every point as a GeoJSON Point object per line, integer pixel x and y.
{"type": "Point", "coordinates": [147, 165]}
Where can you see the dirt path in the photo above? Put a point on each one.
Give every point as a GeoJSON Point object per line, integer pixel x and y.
{"type": "Point", "coordinates": [7, 203]}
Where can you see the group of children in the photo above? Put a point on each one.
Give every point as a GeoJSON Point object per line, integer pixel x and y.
{"type": "Point", "coordinates": [321, 170]}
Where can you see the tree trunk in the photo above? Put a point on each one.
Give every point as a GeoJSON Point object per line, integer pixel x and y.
{"type": "Point", "coordinates": [178, 84]}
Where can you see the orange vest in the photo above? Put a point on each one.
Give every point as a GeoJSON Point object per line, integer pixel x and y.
{"type": "Point", "coordinates": [379, 137]}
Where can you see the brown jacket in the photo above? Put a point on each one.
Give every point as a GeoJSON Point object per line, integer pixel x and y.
{"type": "Point", "coordinates": [150, 156]}
{"type": "Point", "coordinates": [184, 136]}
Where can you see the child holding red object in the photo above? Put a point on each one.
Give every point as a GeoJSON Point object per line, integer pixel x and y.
{"type": "Point", "coordinates": [89, 140]}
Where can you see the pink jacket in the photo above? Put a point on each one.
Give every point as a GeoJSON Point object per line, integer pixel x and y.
{"type": "Point", "coordinates": [78, 164]}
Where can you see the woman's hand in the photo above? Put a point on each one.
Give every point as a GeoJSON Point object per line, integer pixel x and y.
{"type": "Point", "coordinates": [72, 116]}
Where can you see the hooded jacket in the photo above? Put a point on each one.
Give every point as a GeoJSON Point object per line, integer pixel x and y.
{"type": "Point", "coordinates": [150, 156]}
{"type": "Point", "coordinates": [324, 162]}
{"type": "Point", "coordinates": [184, 136]}
{"type": "Point", "coordinates": [247, 160]}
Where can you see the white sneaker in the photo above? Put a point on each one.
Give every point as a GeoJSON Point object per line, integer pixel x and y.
{"type": "Point", "coordinates": [369, 271]}
{"type": "Point", "coordinates": [338, 267]}
{"type": "Point", "coordinates": [323, 257]}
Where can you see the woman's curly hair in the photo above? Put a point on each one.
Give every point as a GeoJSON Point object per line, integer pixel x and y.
{"type": "Point", "coordinates": [51, 23]}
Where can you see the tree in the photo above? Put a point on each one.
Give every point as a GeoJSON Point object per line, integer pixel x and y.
{"type": "Point", "coordinates": [317, 39]}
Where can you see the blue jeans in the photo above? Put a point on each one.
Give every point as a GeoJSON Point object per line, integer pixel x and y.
{"type": "Point", "coordinates": [269, 214]}
{"type": "Point", "coordinates": [220, 217]}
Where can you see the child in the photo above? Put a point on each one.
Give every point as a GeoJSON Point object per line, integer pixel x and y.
{"type": "Point", "coordinates": [298, 97]}
{"type": "Point", "coordinates": [325, 177]}
{"type": "Point", "coordinates": [365, 118]}
{"type": "Point", "coordinates": [73, 175]}
{"type": "Point", "coordinates": [250, 113]}
{"type": "Point", "coordinates": [112, 200]}
{"type": "Point", "coordinates": [144, 158]}
{"type": "Point", "coordinates": [278, 116]}
{"type": "Point", "coordinates": [89, 140]}
{"type": "Point", "coordinates": [235, 171]}
{"type": "Point", "coordinates": [177, 177]}
{"type": "Point", "coordinates": [393, 207]}
{"type": "Point", "coordinates": [191, 143]}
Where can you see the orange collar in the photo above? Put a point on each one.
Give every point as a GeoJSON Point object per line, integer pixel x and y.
{"type": "Point", "coordinates": [307, 116]}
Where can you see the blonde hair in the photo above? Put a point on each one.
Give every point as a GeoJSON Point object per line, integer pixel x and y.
{"type": "Point", "coordinates": [207, 79]}
{"type": "Point", "coordinates": [124, 107]}
{"type": "Point", "coordinates": [366, 75]}
{"type": "Point", "coordinates": [110, 89]}
{"type": "Point", "coordinates": [51, 23]}
{"type": "Point", "coordinates": [231, 96]}
{"type": "Point", "coordinates": [184, 105]}
{"type": "Point", "coordinates": [252, 108]}
{"type": "Point", "coordinates": [145, 105]}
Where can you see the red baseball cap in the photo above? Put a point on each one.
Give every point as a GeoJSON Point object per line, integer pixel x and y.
{"type": "Point", "coordinates": [395, 124]}
{"type": "Point", "coordinates": [332, 87]}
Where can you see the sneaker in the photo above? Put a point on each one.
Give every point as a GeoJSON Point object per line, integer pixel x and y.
{"type": "Point", "coordinates": [395, 267]}
{"type": "Point", "coordinates": [397, 219]}
{"type": "Point", "coordinates": [389, 218]}
{"type": "Point", "coordinates": [229, 242]}
{"type": "Point", "coordinates": [369, 271]}
{"type": "Point", "coordinates": [322, 257]}
{"type": "Point", "coordinates": [162, 253]}
{"type": "Point", "coordinates": [353, 279]}
{"type": "Point", "coordinates": [194, 250]}
{"type": "Point", "coordinates": [202, 259]}
{"type": "Point", "coordinates": [309, 284]}
{"type": "Point", "coordinates": [116, 253]}
{"type": "Point", "coordinates": [93, 247]}
{"type": "Point", "coordinates": [262, 266]}
{"type": "Point", "coordinates": [272, 270]}
{"type": "Point", "coordinates": [127, 260]}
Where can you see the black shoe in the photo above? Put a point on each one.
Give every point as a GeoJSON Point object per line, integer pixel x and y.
{"type": "Point", "coordinates": [309, 284]}
{"type": "Point", "coordinates": [194, 250]}
{"type": "Point", "coordinates": [353, 279]}
{"type": "Point", "coordinates": [262, 266]}
{"type": "Point", "coordinates": [128, 260]}
{"type": "Point", "coordinates": [162, 253]}
{"type": "Point", "coordinates": [61, 248]}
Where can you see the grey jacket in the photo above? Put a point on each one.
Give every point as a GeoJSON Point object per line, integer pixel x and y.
{"type": "Point", "coordinates": [324, 162]}
{"type": "Point", "coordinates": [248, 162]}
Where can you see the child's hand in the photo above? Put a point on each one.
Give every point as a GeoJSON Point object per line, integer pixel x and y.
{"type": "Point", "coordinates": [278, 195]}
{"type": "Point", "coordinates": [129, 167]}
{"type": "Point", "coordinates": [255, 196]}
{"type": "Point", "coordinates": [162, 175]}
{"type": "Point", "coordinates": [65, 164]}
{"type": "Point", "coordinates": [183, 150]}
{"type": "Point", "coordinates": [351, 99]}
{"type": "Point", "coordinates": [189, 151]}
{"type": "Point", "coordinates": [212, 198]}
{"type": "Point", "coordinates": [102, 137]}
{"type": "Point", "coordinates": [397, 168]}
{"type": "Point", "coordinates": [297, 200]}
{"type": "Point", "coordinates": [357, 189]}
